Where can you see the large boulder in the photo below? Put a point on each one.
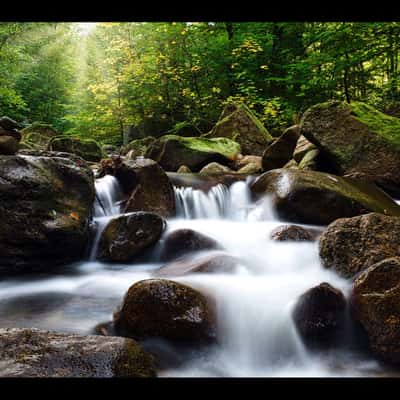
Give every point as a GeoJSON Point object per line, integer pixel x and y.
{"type": "Point", "coordinates": [88, 149]}
{"type": "Point", "coordinates": [165, 309]}
{"type": "Point", "coordinates": [375, 304]}
{"type": "Point", "coordinates": [280, 151]}
{"type": "Point", "coordinates": [311, 197]}
{"type": "Point", "coordinates": [172, 151]}
{"type": "Point", "coordinates": [357, 139]}
{"type": "Point", "coordinates": [238, 123]}
{"type": "Point", "coordinates": [216, 262]}
{"type": "Point", "coordinates": [144, 182]}
{"type": "Point", "coordinates": [319, 314]}
{"type": "Point", "coordinates": [45, 207]}
{"type": "Point", "coordinates": [138, 147]}
{"type": "Point", "coordinates": [127, 236]}
{"type": "Point", "coordinates": [184, 241]}
{"type": "Point", "coordinates": [350, 245]}
{"type": "Point", "coordinates": [33, 353]}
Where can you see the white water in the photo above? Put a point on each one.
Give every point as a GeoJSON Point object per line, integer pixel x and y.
{"type": "Point", "coordinates": [254, 303]}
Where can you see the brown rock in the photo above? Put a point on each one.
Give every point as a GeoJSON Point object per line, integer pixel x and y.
{"type": "Point", "coordinates": [294, 233]}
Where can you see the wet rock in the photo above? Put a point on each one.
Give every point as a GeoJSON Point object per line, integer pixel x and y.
{"type": "Point", "coordinates": [128, 235]}
{"type": "Point", "coordinates": [210, 263]}
{"type": "Point", "coordinates": [294, 233]}
{"type": "Point", "coordinates": [45, 208]}
{"type": "Point", "coordinates": [317, 198]}
{"type": "Point", "coordinates": [375, 304]}
{"type": "Point", "coordinates": [33, 353]}
{"type": "Point", "coordinates": [350, 245]}
{"type": "Point", "coordinates": [183, 169]}
{"type": "Point", "coordinates": [146, 184]}
{"type": "Point", "coordinates": [88, 149]}
{"type": "Point", "coordinates": [319, 314]}
{"type": "Point", "coordinates": [172, 151]}
{"type": "Point", "coordinates": [215, 168]}
{"type": "Point", "coordinates": [278, 153]}
{"type": "Point", "coordinates": [238, 123]}
{"type": "Point", "coordinates": [357, 139]}
{"type": "Point", "coordinates": [303, 146]}
{"type": "Point", "coordinates": [184, 241]}
{"type": "Point", "coordinates": [165, 309]}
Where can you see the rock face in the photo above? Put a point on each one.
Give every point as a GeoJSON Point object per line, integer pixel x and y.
{"type": "Point", "coordinates": [278, 153]}
{"type": "Point", "coordinates": [172, 151]}
{"type": "Point", "coordinates": [146, 184]}
{"type": "Point", "coordinates": [311, 197]}
{"type": "Point", "coordinates": [217, 262]}
{"type": "Point", "coordinates": [319, 314]}
{"type": "Point", "coordinates": [184, 241]}
{"type": "Point", "coordinates": [9, 136]}
{"type": "Point", "coordinates": [357, 139]}
{"type": "Point", "coordinates": [166, 309]}
{"type": "Point", "coordinates": [33, 353]}
{"type": "Point", "coordinates": [295, 233]}
{"type": "Point", "coordinates": [128, 235]}
{"type": "Point", "coordinates": [215, 168]}
{"type": "Point", "coordinates": [137, 147]}
{"type": "Point", "coordinates": [350, 245]}
{"type": "Point", "coordinates": [375, 303]}
{"type": "Point", "coordinates": [88, 149]}
{"type": "Point", "coordinates": [238, 123]}
{"type": "Point", "coordinates": [45, 206]}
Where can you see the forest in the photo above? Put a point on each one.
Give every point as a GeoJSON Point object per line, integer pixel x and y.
{"type": "Point", "coordinates": [94, 79]}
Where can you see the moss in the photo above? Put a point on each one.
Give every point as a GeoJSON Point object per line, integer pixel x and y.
{"type": "Point", "coordinates": [383, 125]}
{"type": "Point", "coordinates": [224, 146]}
{"type": "Point", "coordinates": [88, 149]}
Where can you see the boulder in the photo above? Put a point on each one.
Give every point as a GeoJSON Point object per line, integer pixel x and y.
{"type": "Point", "coordinates": [165, 309]}
{"type": "Point", "coordinates": [8, 144]}
{"type": "Point", "coordinates": [375, 304]}
{"type": "Point", "coordinates": [350, 245]}
{"type": "Point", "coordinates": [280, 151]}
{"type": "Point", "coordinates": [9, 124]}
{"type": "Point", "coordinates": [215, 168]}
{"type": "Point", "coordinates": [249, 169]}
{"type": "Point", "coordinates": [183, 241]}
{"type": "Point", "coordinates": [34, 353]}
{"type": "Point", "coordinates": [319, 314]}
{"type": "Point", "coordinates": [138, 147]}
{"type": "Point", "coordinates": [295, 233]}
{"type": "Point", "coordinates": [303, 146]}
{"type": "Point", "coordinates": [357, 139]}
{"type": "Point", "coordinates": [127, 236]}
{"type": "Point", "coordinates": [144, 182]}
{"type": "Point", "coordinates": [88, 149]}
{"type": "Point", "coordinates": [183, 169]}
{"type": "Point", "coordinates": [238, 123]}
{"type": "Point", "coordinates": [311, 197]}
{"type": "Point", "coordinates": [216, 262]}
{"type": "Point", "coordinates": [172, 151]}
{"type": "Point", "coordinates": [45, 209]}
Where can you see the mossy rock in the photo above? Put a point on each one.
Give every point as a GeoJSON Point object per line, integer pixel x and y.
{"type": "Point", "coordinates": [36, 140]}
{"type": "Point", "coordinates": [172, 151]}
{"type": "Point", "coordinates": [312, 197]}
{"type": "Point", "coordinates": [43, 129]}
{"type": "Point", "coordinates": [138, 147]}
{"type": "Point", "coordinates": [357, 140]}
{"type": "Point", "coordinates": [310, 160]}
{"type": "Point", "coordinates": [238, 123]}
{"type": "Point", "coordinates": [88, 149]}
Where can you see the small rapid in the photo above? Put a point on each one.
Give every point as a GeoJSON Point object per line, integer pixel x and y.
{"type": "Point", "coordinates": [253, 303]}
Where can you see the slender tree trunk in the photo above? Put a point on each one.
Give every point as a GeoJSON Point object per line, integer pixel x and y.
{"type": "Point", "coordinates": [346, 82]}
{"type": "Point", "coordinates": [230, 32]}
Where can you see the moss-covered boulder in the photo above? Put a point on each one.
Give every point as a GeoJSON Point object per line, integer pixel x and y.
{"type": "Point", "coordinates": [45, 207]}
{"type": "Point", "coordinates": [165, 309]}
{"type": "Point", "coordinates": [138, 147]}
{"type": "Point", "coordinates": [357, 140]}
{"type": "Point", "coordinates": [127, 236]}
{"type": "Point", "coordinates": [88, 149]}
{"type": "Point", "coordinates": [319, 315]}
{"type": "Point", "coordinates": [238, 123]}
{"type": "Point", "coordinates": [34, 353]}
{"type": "Point", "coordinates": [41, 128]}
{"type": "Point", "coordinates": [350, 245]}
{"type": "Point", "coordinates": [312, 197]}
{"type": "Point", "coordinates": [172, 151]}
{"type": "Point", "coordinates": [215, 168]}
{"type": "Point", "coordinates": [375, 304]}
{"type": "Point", "coordinates": [280, 151]}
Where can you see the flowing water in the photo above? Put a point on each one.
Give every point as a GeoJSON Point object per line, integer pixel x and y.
{"type": "Point", "coordinates": [254, 303]}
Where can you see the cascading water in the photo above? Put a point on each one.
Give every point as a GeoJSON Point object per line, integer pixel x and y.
{"type": "Point", "coordinates": [253, 303]}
